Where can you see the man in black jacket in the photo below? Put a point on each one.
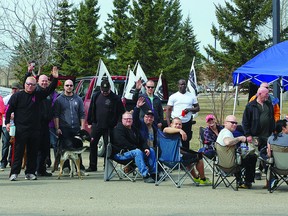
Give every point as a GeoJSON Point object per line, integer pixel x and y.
{"type": "Point", "coordinates": [27, 118]}
{"type": "Point", "coordinates": [128, 144]}
{"type": "Point", "coordinates": [104, 112]}
{"type": "Point", "coordinates": [258, 120]}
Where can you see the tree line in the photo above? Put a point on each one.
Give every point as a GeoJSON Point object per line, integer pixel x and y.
{"type": "Point", "coordinates": [154, 32]}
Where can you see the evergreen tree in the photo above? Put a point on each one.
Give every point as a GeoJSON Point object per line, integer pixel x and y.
{"type": "Point", "coordinates": [239, 33]}
{"type": "Point", "coordinates": [117, 37]}
{"type": "Point", "coordinates": [63, 31]}
{"type": "Point", "coordinates": [86, 44]}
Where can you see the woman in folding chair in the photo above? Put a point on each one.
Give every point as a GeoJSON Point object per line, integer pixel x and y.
{"type": "Point", "coordinates": [226, 138]}
{"type": "Point", "coordinates": [187, 154]}
{"type": "Point", "coordinates": [210, 136]}
{"type": "Point", "coordinates": [279, 138]}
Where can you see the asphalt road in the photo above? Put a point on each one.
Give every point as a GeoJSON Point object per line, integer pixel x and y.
{"type": "Point", "coordinates": [93, 196]}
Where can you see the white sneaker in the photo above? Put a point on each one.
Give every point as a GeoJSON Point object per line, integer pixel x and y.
{"type": "Point", "coordinates": [30, 177]}
{"type": "Point", "coordinates": [66, 171]}
{"type": "Point", "coordinates": [13, 177]}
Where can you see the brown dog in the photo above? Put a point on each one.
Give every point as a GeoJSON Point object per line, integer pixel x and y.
{"type": "Point", "coordinates": [74, 157]}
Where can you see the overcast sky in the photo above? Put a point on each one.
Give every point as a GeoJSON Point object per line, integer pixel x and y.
{"type": "Point", "coordinates": [201, 12]}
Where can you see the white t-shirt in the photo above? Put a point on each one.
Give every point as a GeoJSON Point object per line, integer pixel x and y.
{"type": "Point", "coordinates": [180, 102]}
{"type": "Point", "coordinates": [223, 134]}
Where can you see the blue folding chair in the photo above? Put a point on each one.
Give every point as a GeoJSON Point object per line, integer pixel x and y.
{"type": "Point", "coordinates": [169, 159]}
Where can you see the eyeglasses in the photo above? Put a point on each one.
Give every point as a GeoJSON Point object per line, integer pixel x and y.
{"type": "Point", "coordinates": [30, 84]}
{"type": "Point", "coordinates": [150, 87]}
{"type": "Point", "coordinates": [126, 119]}
{"type": "Point", "coordinates": [233, 122]}
{"type": "Point", "coordinates": [69, 85]}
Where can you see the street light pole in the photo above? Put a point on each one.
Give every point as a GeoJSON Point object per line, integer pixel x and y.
{"type": "Point", "coordinates": [276, 40]}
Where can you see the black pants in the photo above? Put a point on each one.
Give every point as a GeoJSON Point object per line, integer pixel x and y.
{"type": "Point", "coordinates": [187, 127]}
{"type": "Point", "coordinates": [30, 138]}
{"type": "Point", "coordinates": [96, 134]}
{"type": "Point", "coordinates": [44, 148]}
{"type": "Point", "coordinates": [249, 164]}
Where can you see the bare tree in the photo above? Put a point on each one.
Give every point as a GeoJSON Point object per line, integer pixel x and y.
{"type": "Point", "coordinates": [17, 18]}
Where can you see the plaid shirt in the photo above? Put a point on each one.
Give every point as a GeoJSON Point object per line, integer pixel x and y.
{"type": "Point", "coordinates": [209, 136]}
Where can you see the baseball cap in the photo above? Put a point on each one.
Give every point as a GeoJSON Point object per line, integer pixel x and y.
{"type": "Point", "coordinates": [105, 86]}
{"type": "Point", "coordinates": [208, 117]}
{"type": "Point", "coordinates": [149, 112]}
{"type": "Point", "coordinates": [15, 86]}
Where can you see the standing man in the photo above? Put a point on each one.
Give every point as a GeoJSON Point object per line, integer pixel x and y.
{"type": "Point", "coordinates": [258, 120]}
{"type": "Point", "coordinates": [69, 116]}
{"type": "Point", "coordinates": [183, 104]}
{"type": "Point", "coordinates": [272, 99]}
{"type": "Point", "coordinates": [152, 102]}
{"type": "Point", "coordinates": [26, 107]}
{"type": "Point", "coordinates": [46, 117]}
{"type": "Point", "coordinates": [5, 136]}
{"type": "Point", "coordinates": [104, 112]}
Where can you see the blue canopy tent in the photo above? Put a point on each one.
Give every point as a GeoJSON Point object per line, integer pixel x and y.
{"type": "Point", "coordinates": [268, 66]}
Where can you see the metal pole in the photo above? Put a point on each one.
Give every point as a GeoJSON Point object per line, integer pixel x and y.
{"type": "Point", "coordinates": [276, 40]}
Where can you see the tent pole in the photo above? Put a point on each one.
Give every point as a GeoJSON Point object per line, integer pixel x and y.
{"type": "Point", "coordinates": [281, 96]}
{"type": "Point", "coordinates": [236, 94]}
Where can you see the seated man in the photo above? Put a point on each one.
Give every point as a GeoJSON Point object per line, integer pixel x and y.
{"type": "Point", "coordinates": [226, 138]}
{"type": "Point", "coordinates": [210, 135]}
{"type": "Point", "coordinates": [189, 155]}
{"type": "Point", "coordinates": [128, 144]}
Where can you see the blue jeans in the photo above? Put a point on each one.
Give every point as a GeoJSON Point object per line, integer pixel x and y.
{"type": "Point", "coordinates": [139, 156]}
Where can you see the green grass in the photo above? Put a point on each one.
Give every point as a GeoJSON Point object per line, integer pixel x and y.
{"type": "Point", "coordinates": [206, 108]}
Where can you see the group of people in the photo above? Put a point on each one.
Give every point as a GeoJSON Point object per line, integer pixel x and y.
{"type": "Point", "coordinates": [258, 123]}
{"type": "Point", "coordinates": [38, 111]}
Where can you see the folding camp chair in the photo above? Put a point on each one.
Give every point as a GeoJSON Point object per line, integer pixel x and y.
{"type": "Point", "coordinates": [278, 167]}
{"type": "Point", "coordinates": [225, 166]}
{"type": "Point", "coordinates": [124, 169]}
{"type": "Point", "coordinates": [169, 160]}
{"type": "Point", "coordinates": [207, 158]}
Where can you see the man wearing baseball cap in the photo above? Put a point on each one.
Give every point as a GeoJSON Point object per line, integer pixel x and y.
{"type": "Point", "coordinates": [105, 111]}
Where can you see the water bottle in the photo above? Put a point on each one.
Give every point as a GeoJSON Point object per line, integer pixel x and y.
{"type": "Point", "coordinates": [244, 148]}
{"type": "Point", "coordinates": [12, 128]}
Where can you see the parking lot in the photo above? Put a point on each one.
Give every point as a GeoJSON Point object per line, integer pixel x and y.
{"type": "Point", "coordinates": [93, 196]}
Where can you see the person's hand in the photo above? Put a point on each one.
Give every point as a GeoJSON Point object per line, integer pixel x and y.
{"type": "Point", "coordinates": [54, 72]}
{"type": "Point", "coordinates": [159, 125]}
{"type": "Point", "coordinates": [183, 135]}
{"type": "Point", "coordinates": [59, 132]}
{"type": "Point", "coordinates": [8, 127]}
{"type": "Point", "coordinates": [140, 102]}
{"type": "Point", "coordinates": [243, 139]}
{"type": "Point", "coordinates": [138, 84]}
{"type": "Point", "coordinates": [31, 67]}
{"type": "Point", "coordinates": [249, 139]}
{"type": "Point", "coordinates": [147, 152]}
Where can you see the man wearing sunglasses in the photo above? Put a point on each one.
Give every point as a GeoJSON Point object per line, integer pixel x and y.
{"type": "Point", "coordinates": [26, 106]}
{"type": "Point", "coordinates": [226, 138]}
{"type": "Point", "coordinates": [69, 118]}
{"type": "Point", "coordinates": [152, 102]}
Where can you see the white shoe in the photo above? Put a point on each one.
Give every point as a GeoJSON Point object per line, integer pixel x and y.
{"type": "Point", "coordinates": [13, 177]}
{"type": "Point", "coordinates": [30, 177]}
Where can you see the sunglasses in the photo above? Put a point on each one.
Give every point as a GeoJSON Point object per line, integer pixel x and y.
{"type": "Point", "coordinates": [150, 87]}
{"type": "Point", "coordinates": [69, 85]}
{"type": "Point", "coordinates": [30, 84]}
{"type": "Point", "coordinates": [233, 122]}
